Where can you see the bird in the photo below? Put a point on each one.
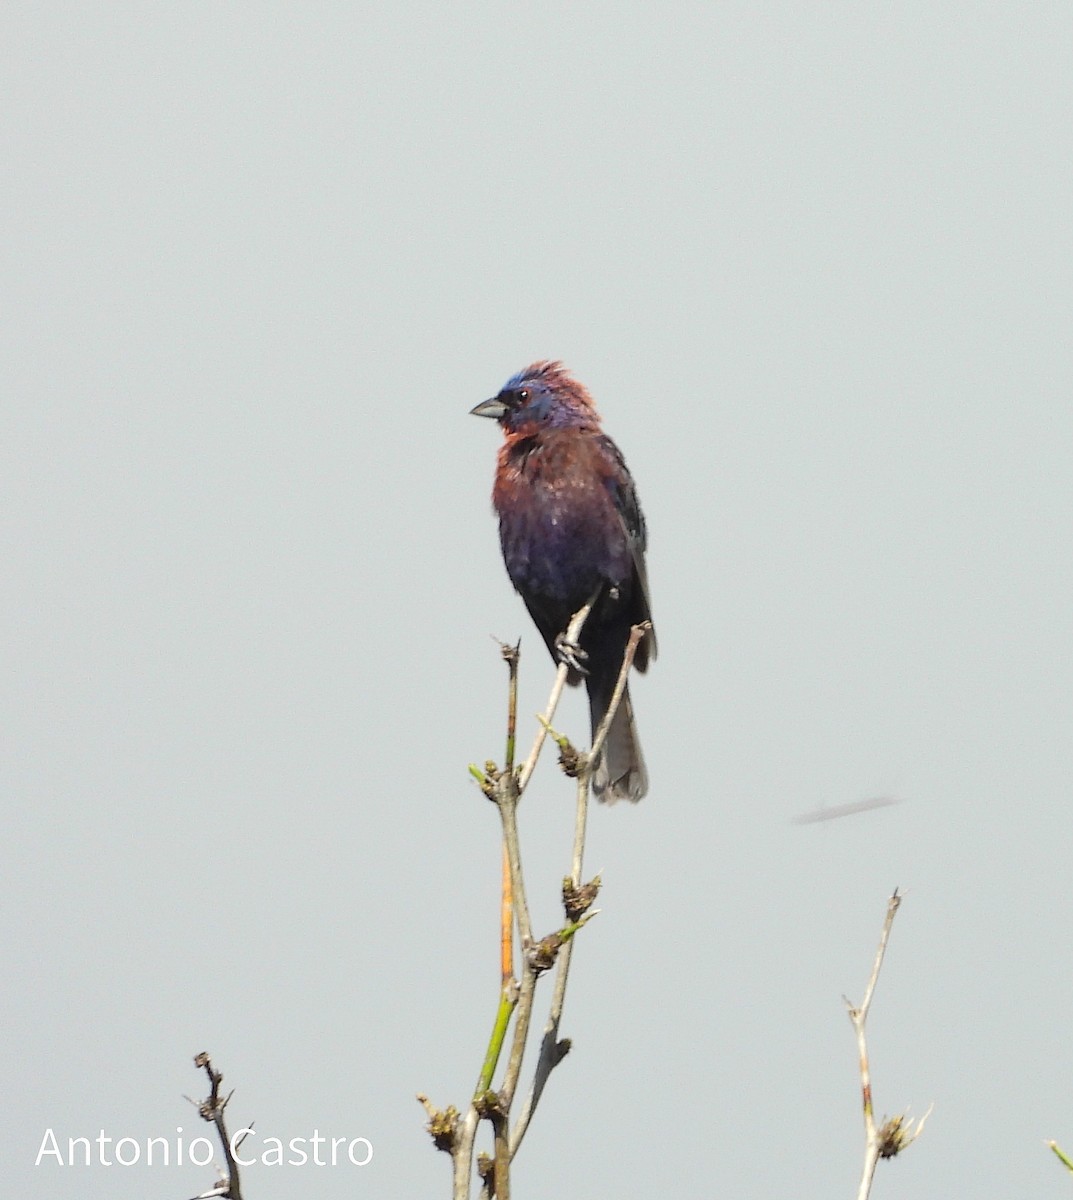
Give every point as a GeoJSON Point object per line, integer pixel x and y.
{"type": "Point", "coordinates": [571, 530]}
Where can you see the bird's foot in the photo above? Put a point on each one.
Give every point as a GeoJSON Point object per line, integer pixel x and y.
{"type": "Point", "coordinates": [571, 654]}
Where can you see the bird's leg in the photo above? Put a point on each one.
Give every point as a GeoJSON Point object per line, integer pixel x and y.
{"type": "Point", "coordinates": [571, 654]}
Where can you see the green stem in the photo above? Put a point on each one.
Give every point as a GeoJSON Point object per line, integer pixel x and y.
{"type": "Point", "coordinates": [495, 1042]}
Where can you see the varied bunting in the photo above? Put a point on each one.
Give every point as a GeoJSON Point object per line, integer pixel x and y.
{"type": "Point", "coordinates": [571, 529]}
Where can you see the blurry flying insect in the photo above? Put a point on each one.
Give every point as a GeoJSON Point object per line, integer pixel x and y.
{"type": "Point", "coordinates": [845, 810]}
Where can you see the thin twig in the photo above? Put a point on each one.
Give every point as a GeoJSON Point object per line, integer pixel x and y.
{"type": "Point", "coordinates": [512, 656]}
{"type": "Point", "coordinates": [507, 1000]}
{"type": "Point", "coordinates": [897, 1133]}
{"type": "Point", "coordinates": [516, 999]}
{"type": "Point", "coordinates": [506, 925]}
{"type": "Point", "coordinates": [212, 1110]}
{"type": "Point", "coordinates": [508, 793]}
{"type": "Point", "coordinates": [501, 1142]}
{"type": "Point", "coordinates": [636, 634]}
{"type": "Point", "coordinates": [573, 633]}
{"type": "Point", "coordinates": [462, 1153]}
{"type": "Point", "coordinates": [507, 796]}
{"type": "Point", "coordinates": [505, 791]}
{"type": "Point", "coordinates": [548, 1057]}
{"type": "Point", "coordinates": [552, 1051]}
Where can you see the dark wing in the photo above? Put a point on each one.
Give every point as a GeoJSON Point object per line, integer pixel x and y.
{"type": "Point", "coordinates": [624, 496]}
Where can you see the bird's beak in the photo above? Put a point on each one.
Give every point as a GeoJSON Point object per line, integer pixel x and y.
{"type": "Point", "coordinates": [494, 408]}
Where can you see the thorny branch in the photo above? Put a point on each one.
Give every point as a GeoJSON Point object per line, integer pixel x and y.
{"type": "Point", "coordinates": [897, 1133]}
{"type": "Point", "coordinates": [450, 1130]}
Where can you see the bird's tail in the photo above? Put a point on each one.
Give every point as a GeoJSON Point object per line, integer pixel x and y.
{"type": "Point", "coordinates": [620, 773]}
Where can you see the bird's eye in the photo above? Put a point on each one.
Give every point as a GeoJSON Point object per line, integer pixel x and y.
{"type": "Point", "coordinates": [523, 395]}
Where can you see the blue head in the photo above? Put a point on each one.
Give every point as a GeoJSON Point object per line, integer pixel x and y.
{"type": "Point", "coordinates": [543, 396]}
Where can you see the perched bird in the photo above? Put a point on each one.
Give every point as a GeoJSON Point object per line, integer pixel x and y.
{"type": "Point", "coordinates": [571, 529]}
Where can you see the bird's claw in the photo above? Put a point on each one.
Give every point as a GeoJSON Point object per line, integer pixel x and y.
{"type": "Point", "coordinates": [571, 654]}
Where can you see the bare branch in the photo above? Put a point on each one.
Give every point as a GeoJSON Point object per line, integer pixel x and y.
{"type": "Point", "coordinates": [573, 633]}
{"type": "Point", "coordinates": [212, 1110]}
{"type": "Point", "coordinates": [898, 1132]}
{"type": "Point", "coordinates": [450, 1131]}
{"type": "Point", "coordinates": [552, 1050]}
{"type": "Point", "coordinates": [637, 632]}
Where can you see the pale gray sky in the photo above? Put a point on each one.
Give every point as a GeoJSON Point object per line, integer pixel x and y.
{"type": "Point", "coordinates": [814, 263]}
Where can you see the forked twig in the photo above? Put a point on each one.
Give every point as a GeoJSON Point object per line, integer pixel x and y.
{"type": "Point", "coordinates": [898, 1132]}
{"type": "Point", "coordinates": [451, 1130]}
{"type": "Point", "coordinates": [552, 1050]}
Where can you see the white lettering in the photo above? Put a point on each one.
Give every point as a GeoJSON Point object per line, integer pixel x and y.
{"type": "Point", "coordinates": [208, 1146]}
{"type": "Point", "coordinates": [119, 1157]}
{"type": "Point", "coordinates": [71, 1143]}
{"type": "Point", "coordinates": [236, 1140]}
{"type": "Point", "coordinates": [51, 1137]}
{"type": "Point", "coordinates": [129, 1151]}
{"type": "Point", "coordinates": [149, 1150]}
{"type": "Point", "coordinates": [368, 1155]}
